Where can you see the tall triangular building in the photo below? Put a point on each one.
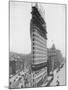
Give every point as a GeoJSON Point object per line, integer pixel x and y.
{"type": "Point", "coordinates": [39, 46]}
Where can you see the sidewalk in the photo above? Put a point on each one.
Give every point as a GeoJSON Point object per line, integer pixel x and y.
{"type": "Point", "coordinates": [48, 81]}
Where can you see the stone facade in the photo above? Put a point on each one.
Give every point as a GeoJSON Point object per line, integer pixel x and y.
{"type": "Point", "coordinates": [39, 47]}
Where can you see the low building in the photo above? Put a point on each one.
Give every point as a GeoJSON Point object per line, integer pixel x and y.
{"type": "Point", "coordinates": [16, 63]}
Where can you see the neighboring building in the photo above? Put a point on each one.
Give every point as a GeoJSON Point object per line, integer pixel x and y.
{"type": "Point", "coordinates": [12, 67]}
{"type": "Point", "coordinates": [51, 58]}
{"type": "Point", "coordinates": [55, 59]}
{"type": "Point", "coordinates": [16, 63]}
{"type": "Point", "coordinates": [39, 47]}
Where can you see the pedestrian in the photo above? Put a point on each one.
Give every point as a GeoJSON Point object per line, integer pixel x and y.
{"type": "Point", "coordinates": [57, 83]}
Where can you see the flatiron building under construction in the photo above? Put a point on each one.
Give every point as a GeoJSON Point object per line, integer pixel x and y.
{"type": "Point", "coordinates": [39, 47]}
{"type": "Point", "coordinates": [35, 65]}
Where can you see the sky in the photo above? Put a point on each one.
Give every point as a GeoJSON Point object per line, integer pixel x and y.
{"type": "Point", "coordinates": [20, 16]}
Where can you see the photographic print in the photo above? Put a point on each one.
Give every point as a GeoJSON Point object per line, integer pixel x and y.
{"type": "Point", "coordinates": [37, 54]}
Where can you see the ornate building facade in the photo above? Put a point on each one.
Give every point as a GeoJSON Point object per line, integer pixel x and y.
{"type": "Point", "coordinates": [51, 59]}
{"type": "Point", "coordinates": [39, 47]}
